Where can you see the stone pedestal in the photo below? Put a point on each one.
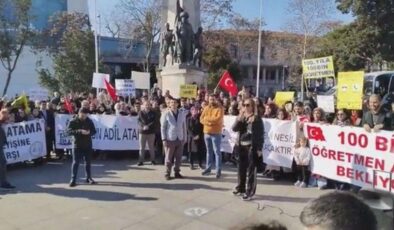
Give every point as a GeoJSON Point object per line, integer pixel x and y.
{"type": "Point", "coordinates": [172, 77]}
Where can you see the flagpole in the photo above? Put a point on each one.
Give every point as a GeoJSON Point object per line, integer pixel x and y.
{"type": "Point", "coordinates": [95, 41]}
{"type": "Point", "coordinates": [259, 53]}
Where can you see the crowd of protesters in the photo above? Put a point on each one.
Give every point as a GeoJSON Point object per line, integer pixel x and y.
{"type": "Point", "coordinates": [204, 120]}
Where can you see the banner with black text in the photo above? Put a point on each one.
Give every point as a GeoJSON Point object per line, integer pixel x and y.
{"type": "Point", "coordinates": [25, 141]}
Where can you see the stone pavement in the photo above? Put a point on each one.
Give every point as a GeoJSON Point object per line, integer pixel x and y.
{"type": "Point", "coordinates": [131, 197]}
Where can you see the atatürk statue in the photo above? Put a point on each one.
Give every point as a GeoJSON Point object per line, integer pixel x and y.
{"type": "Point", "coordinates": [185, 39]}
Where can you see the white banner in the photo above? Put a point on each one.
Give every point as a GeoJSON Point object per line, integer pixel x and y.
{"type": "Point", "coordinates": [228, 136]}
{"type": "Point", "coordinates": [98, 80]}
{"type": "Point", "coordinates": [38, 94]}
{"type": "Point", "coordinates": [113, 132]}
{"type": "Point", "coordinates": [25, 141]}
{"type": "Point", "coordinates": [279, 141]}
{"type": "Point", "coordinates": [352, 155]}
{"type": "Point", "coordinates": [141, 79]}
{"type": "Point", "coordinates": [125, 87]}
{"type": "Point", "coordinates": [326, 102]}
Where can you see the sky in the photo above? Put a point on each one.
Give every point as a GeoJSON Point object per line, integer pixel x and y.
{"type": "Point", "coordinates": [274, 11]}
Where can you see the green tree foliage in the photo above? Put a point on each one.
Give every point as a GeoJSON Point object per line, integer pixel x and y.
{"type": "Point", "coordinates": [368, 41]}
{"type": "Point", "coordinates": [14, 34]}
{"type": "Point", "coordinates": [217, 59]}
{"type": "Point", "coordinates": [71, 47]}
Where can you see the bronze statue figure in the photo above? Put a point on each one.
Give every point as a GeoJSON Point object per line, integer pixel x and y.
{"type": "Point", "coordinates": [185, 39]}
{"type": "Point", "coordinates": [167, 43]}
{"type": "Point", "coordinates": [198, 46]}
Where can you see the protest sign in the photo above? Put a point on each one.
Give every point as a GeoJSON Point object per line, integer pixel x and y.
{"type": "Point", "coordinates": [279, 141]}
{"type": "Point", "coordinates": [188, 91]}
{"type": "Point", "coordinates": [351, 155]}
{"type": "Point", "coordinates": [350, 90]}
{"type": "Point", "coordinates": [25, 141]}
{"type": "Point", "coordinates": [141, 79]}
{"type": "Point", "coordinates": [38, 94]}
{"type": "Point", "coordinates": [228, 135]}
{"type": "Point", "coordinates": [282, 97]}
{"type": "Point", "coordinates": [125, 87]}
{"type": "Point", "coordinates": [326, 102]}
{"type": "Point", "coordinates": [113, 132]}
{"type": "Point", "coordinates": [318, 68]}
{"type": "Point", "coordinates": [98, 80]}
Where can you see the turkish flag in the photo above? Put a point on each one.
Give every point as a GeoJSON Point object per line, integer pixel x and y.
{"type": "Point", "coordinates": [110, 89]}
{"type": "Point", "coordinates": [227, 83]}
{"type": "Point", "coordinates": [68, 106]}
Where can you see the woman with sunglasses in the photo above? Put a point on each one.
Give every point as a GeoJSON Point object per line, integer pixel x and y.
{"type": "Point", "coordinates": [250, 130]}
{"type": "Point", "coordinates": [341, 118]}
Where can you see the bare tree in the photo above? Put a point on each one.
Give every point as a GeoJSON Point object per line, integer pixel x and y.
{"type": "Point", "coordinates": [309, 18]}
{"type": "Point", "coordinates": [215, 12]}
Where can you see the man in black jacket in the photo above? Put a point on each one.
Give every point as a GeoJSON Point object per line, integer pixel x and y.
{"type": "Point", "coordinates": [82, 129]}
{"type": "Point", "coordinates": [3, 161]}
{"type": "Point", "coordinates": [147, 132]}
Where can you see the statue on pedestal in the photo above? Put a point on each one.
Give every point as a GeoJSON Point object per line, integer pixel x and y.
{"type": "Point", "coordinates": [185, 39]}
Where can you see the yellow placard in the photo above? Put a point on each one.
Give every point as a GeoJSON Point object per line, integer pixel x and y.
{"type": "Point", "coordinates": [350, 90]}
{"type": "Point", "coordinates": [282, 97]}
{"type": "Point", "coordinates": [318, 68]}
{"type": "Point", "coordinates": [188, 91]}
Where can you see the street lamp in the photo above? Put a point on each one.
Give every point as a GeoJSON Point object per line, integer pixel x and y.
{"type": "Point", "coordinates": [259, 53]}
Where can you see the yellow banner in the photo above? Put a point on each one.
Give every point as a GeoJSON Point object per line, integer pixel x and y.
{"type": "Point", "coordinates": [318, 68]}
{"type": "Point", "coordinates": [350, 90]}
{"type": "Point", "coordinates": [282, 97]}
{"type": "Point", "coordinates": [188, 91]}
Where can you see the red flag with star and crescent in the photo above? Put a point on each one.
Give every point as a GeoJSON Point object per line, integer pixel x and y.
{"type": "Point", "coordinates": [227, 83]}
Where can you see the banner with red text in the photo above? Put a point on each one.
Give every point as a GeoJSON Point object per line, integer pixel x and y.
{"type": "Point", "coordinates": [352, 155]}
{"type": "Point", "coordinates": [279, 141]}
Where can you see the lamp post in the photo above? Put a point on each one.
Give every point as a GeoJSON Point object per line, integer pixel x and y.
{"type": "Point", "coordinates": [259, 53]}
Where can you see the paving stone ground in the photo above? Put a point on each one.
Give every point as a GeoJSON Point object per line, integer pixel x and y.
{"type": "Point", "coordinates": [132, 197]}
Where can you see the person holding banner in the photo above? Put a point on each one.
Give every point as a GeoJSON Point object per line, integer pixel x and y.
{"type": "Point", "coordinates": [250, 130]}
{"type": "Point", "coordinates": [4, 184]}
{"type": "Point", "coordinates": [49, 118]}
{"type": "Point", "coordinates": [376, 119]}
{"type": "Point", "coordinates": [82, 129]}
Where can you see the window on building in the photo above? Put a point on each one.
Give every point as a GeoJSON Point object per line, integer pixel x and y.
{"type": "Point", "coordinates": [272, 75]}
{"type": "Point", "coordinates": [233, 50]}
{"type": "Point", "coordinates": [254, 72]}
{"type": "Point", "coordinates": [262, 52]}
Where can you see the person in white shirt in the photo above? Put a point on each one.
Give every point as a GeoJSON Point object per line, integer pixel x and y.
{"type": "Point", "coordinates": [302, 157]}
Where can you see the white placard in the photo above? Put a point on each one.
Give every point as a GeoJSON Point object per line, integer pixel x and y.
{"type": "Point", "coordinates": [38, 94]}
{"type": "Point", "coordinates": [229, 137]}
{"type": "Point", "coordinates": [25, 141]}
{"type": "Point", "coordinates": [141, 79]}
{"type": "Point", "coordinates": [279, 141]}
{"type": "Point", "coordinates": [98, 80]}
{"type": "Point", "coordinates": [326, 102]}
{"type": "Point", "coordinates": [113, 132]}
{"type": "Point", "coordinates": [125, 87]}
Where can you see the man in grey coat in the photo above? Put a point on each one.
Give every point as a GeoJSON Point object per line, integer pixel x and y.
{"type": "Point", "coordinates": [4, 184]}
{"type": "Point", "coordinates": [173, 132]}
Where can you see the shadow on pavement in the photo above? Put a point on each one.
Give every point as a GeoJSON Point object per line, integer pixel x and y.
{"type": "Point", "coordinates": [165, 186]}
{"type": "Point", "coordinates": [282, 199]}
